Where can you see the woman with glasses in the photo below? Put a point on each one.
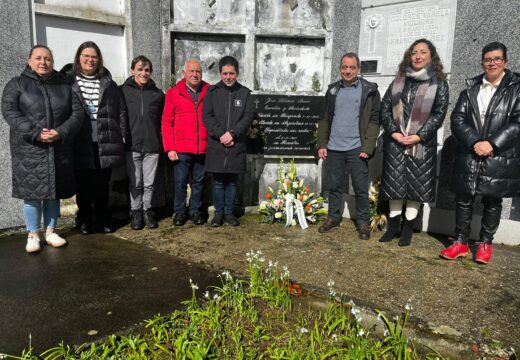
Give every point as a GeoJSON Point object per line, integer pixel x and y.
{"type": "Point", "coordinates": [486, 124]}
{"type": "Point", "coordinates": [412, 111]}
{"type": "Point", "coordinates": [99, 146]}
{"type": "Point", "coordinates": [43, 117]}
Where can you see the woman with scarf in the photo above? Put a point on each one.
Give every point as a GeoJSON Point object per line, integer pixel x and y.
{"type": "Point", "coordinates": [412, 111]}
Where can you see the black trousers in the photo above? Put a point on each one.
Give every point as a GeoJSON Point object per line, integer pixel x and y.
{"type": "Point", "coordinates": [464, 214]}
{"type": "Point", "coordinates": [92, 194]}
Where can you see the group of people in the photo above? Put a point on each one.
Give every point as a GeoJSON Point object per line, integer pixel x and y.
{"type": "Point", "coordinates": [485, 122]}
{"type": "Point", "coordinates": [69, 129]}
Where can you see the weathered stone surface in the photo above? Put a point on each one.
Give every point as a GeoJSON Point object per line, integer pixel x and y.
{"type": "Point", "coordinates": [15, 42]}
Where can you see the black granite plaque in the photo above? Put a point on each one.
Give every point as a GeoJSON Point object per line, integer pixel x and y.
{"type": "Point", "coordinates": [288, 123]}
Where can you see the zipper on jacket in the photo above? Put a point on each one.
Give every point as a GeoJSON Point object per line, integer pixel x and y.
{"type": "Point", "coordinates": [227, 127]}
{"type": "Point", "coordinates": [197, 123]}
{"type": "Point", "coordinates": [142, 105]}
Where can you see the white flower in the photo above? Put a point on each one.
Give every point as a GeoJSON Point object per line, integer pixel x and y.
{"type": "Point", "coordinates": [206, 294]}
{"type": "Point", "coordinates": [278, 215]}
{"type": "Point", "coordinates": [408, 307]}
{"type": "Point", "coordinates": [227, 275]}
{"type": "Point", "coordinates": [285, 273]}
{"type": "Point", "coordinates": [295, 184]}
{"type": "Point", "coordinates": [193, 286]}
{"type": "Point", "coordinates": [334, 337]}
{"type": "Point", "coordinates": [215, 297]}
{"type": "Point", "coordinates": [330, 283]}
{"type": "Point", "coordinates": [361, 332]}
{"type": "Point", "coordinates": [304, 330]}
{"type": "Point", "coordinates": [263, 205]}
{"type": "Point", "coordinates": [385, 333]}
{"type": "Point", "coordinates": [293, 222]}
{"type": "Point", "coordinates": [262, 259]}
{"type": "Point", "coordinates": [378, 317]}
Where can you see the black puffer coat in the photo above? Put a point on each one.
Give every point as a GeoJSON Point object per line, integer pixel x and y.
{"type": "Point", "coordinates": [499, 175]}
{"type": "Point", "coordinates": [227, 109]}
{"type": "Point", "coordinates": [405, 177]}
{"type": "Point", "coordinates": [145, 106]}
{"type": "Point", "coordinates": [111, 125]}
{"type": "Point", "coordinates": [29, 103]}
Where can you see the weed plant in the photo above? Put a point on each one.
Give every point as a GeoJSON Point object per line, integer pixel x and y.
{"type": "Point", "coordinates": [251, 319]}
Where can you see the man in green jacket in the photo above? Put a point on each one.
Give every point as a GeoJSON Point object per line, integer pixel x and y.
{"type": "Point", "coordinates": [347, 137]}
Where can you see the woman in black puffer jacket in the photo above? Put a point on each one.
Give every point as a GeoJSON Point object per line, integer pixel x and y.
{"type": "Point", "coordinates": [43, 117]}
{"type": "Point", "coordinates": [412, 111]}
{"type": "Point", "coordinates": [100, 144]}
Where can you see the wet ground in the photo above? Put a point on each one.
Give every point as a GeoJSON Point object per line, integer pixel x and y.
{"type": "Point", "coordinates": [109, 283]}
{"type": "Point", "coordinates": [96, 286]}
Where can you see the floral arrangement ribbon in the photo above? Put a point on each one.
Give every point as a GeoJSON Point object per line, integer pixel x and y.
{"type": "Point", "coordinates": [301, 214]}
{"type": "Point", "coordinates": [288, 209]}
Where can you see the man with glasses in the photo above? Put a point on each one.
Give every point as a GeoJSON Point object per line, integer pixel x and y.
{"type": "Point", "coordinates": [486, 124]}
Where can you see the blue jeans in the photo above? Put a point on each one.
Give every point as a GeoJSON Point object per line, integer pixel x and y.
{"type": "Point", "coordinates": [188, 164]}
{"type": "Point", "coordinates": [224, 192]}
{"type": "Point", "coordinates": [339, 163]}
{"type": "Point", "coordinates": [32, 213]}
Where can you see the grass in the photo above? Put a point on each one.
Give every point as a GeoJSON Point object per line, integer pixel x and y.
{"type": "Point", "coordinates": [253, 319]}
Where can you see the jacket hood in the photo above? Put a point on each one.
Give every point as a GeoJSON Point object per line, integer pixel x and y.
{"type": "Point", "coordinates": [68, 71]}
{"type": "Point", "coordinates": [510, 77]}
{"type": "Point", "coordinates": [182, 81]}
{"type": "Point", "coordinates": [54, 77]}
{"type": "Point", "coordinates": [221, 84]}
{"type": "Point", "coordinates": [131, 82]}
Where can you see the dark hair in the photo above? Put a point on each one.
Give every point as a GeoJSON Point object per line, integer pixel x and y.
{"type": "Point", "coordinates": [77, 66]}
{"type": "Point", "coordinates": [350, 55]}
{"type": "Point", "coordinates": [40, 47]}
{"type": "Point", "coordinates": [228, 61]}
{"type": "Point", "coordinates": [435, 59]}
{"type": "Point", "coordinates": [495, 45]}
{"type": "Point", "coordinates": [143, 59]}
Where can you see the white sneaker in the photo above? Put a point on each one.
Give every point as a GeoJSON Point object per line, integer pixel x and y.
{"type": "Point", "coordinates": [33, 244]}
{"type": "Point", "coordinates": [55, 240]}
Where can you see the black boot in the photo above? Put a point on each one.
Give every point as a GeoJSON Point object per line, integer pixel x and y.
{"type": "Point", "coordinates": [406, 232]}
{"type": "Point", "coordinates": [136, 220]}
{"type": "Point", "coordinates": [392, 230]}
{"type": "Point", "coordinates": [149, 219]}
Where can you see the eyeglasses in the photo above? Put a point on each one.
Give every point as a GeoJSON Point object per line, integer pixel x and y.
{"type": "Point", "coordinates": [497, 60]}
{"type": "Point", "coordinates": [89, 57]}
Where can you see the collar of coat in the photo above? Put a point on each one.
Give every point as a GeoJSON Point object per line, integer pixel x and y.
{"type": "Point", "coordinates": [510, 78]}
{"type": "Point", "coordinates": [369, 86]}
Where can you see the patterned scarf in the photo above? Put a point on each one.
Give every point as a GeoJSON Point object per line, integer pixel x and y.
{"type": "Point", "coordinates": [422, 105]}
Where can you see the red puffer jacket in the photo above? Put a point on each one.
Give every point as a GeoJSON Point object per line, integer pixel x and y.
{"type": "Point", "coordinates": [183, 130]}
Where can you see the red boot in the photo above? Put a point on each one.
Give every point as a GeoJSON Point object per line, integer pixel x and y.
{"type": "Point", "coordinates": [484, 252]}
{"type": "Point", "coordinates": [457, 249]}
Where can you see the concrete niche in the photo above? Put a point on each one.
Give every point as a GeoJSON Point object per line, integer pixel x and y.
{"type": "Point", "coordinates": [227, 13]}
{"type": "Point", "coordinates": [289, 65]}
{"type": "Point", "coordinates": [293, 14]}
{"type": "Point", "coordinates": [208, 49]}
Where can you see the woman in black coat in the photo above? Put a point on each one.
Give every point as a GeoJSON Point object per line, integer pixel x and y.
{"type": "Point", "coordinates": [43, 117]}
{"type": "Point", "coordinates": [100, 144]}
{"type": "Point", "coordinates": [412, 111]}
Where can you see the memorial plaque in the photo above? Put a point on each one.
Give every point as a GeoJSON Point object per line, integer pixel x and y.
{"type": "Point", "coordinates": [288, 123]}
{"type": "Point", "coordinates": [388, 29]}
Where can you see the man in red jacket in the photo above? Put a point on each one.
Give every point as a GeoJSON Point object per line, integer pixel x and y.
{"type": "Point", "coordinates": [185, 140]}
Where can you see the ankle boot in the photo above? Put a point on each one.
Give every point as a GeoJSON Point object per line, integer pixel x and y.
{"type": "Point", "coordinates": [406, 232]}
{"type": "Point", "coordinates": [393, 229]}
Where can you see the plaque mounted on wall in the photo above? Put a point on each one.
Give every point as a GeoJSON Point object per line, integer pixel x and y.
{"type": "Point", "coordinates": [288, 123]}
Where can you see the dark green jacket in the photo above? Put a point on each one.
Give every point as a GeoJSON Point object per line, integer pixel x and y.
{"type": "Point", "coordinates": [368, 116]}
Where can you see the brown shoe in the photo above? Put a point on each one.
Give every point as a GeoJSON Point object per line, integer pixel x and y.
{"type": "Point", "coordinates": [364, 231]}
{"type": "Point", "coordinates": [328, 225]}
